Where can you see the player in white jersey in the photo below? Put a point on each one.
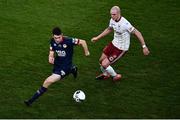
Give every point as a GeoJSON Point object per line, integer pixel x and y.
{"type": "Point", "coordinates": [119, 45]}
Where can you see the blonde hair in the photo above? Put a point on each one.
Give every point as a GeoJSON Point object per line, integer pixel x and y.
{"type": "Point", "coordinates": [117, 8]}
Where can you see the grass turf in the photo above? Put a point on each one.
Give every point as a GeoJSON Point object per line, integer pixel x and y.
{"type": "Point", "coordinates": [150, 87]}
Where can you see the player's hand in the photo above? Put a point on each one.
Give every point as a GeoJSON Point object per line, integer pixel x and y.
{"type": "Point", "coordinates": [94, 39]}
{"type": "Point", "coordinates": [87, 53]}
{"type": "Point", "coordinates": [51, 60]}
{"type": "Point", "coordinates": [146, 51]}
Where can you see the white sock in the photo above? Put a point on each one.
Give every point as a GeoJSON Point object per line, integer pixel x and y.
{"type": "Point", "coordinates": [104, 71]}
{"type": "Point", "coordinates": [111, 71]}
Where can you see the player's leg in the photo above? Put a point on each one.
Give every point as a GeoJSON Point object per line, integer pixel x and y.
{"type": "Point", "coordinates": [113, 54]}
{"type": "Point", "coordinates": [107, 71]}
{"type": "Point", "coordinates": [116, 54]}
{"type": "Point", "coordinates": [102, 58]}
{"type": "Point", "coordinates": [106, 65]}
{"type": "Point", "coordinates": [104, 62]}
{"type": "Point", "coordinates": [109, 56]}
{"type": "Point", "coordinates": [51, 79]}
{"type": "Point", "coordinates": [74, 71]}
{"type": "Point", "coordinates": [104, 74]}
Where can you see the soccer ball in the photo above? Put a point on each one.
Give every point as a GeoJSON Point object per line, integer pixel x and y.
{"type": "Point", "coordinates": [79, 96]}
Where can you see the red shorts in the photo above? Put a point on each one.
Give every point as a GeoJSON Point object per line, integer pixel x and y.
{"type": "Point", "coordinates": [113, 53]}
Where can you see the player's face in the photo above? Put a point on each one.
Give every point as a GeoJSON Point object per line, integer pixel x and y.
{"type": "Point", "coordinates": [115, 15]}
{"type": "Point", "coordinates": [58, 38]}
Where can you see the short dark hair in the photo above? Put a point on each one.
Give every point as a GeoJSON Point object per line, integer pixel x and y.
{"type": "Point", "coordinates": [56, 31]}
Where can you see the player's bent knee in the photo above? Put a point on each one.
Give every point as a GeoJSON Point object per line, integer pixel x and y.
{"type": "Point", "coordinates": [105, 64]}
{"type": "Point", "coordinates": [47, 83]}
{"type": "Point", "coordinates": [51, 79]}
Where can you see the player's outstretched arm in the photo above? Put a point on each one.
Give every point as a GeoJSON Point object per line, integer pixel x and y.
{"type": "Point", "coordinates": [85, 47]}
{"type": "Point", "coordinates": [104, 33]}
{"type": "Point", "coordinates": [141, 39]}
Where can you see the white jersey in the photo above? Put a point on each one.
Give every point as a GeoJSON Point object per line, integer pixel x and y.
{"type": "Point", "coordinates": [122, 31]}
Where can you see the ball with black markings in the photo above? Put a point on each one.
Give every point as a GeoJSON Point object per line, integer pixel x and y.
{"type": "Point", "coordinates": [79, 96]}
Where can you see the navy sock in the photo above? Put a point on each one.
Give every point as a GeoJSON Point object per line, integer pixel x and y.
{"type": "Point", "coordinates": [37, 94]}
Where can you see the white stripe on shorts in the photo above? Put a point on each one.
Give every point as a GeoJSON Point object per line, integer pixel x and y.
{"type": "Point", "coordinates": [120, 55]}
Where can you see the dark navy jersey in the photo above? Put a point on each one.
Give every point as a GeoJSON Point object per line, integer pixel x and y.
{"type": "Point", "coordinates": [63, 51]}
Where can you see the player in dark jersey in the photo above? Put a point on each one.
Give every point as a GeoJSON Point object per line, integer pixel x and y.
{"type": "Point", "coordinates": [60, 55]}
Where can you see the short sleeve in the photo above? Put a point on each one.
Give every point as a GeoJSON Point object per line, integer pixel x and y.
{"type": "Point", "coordinates": [75, 41]}
{"type": "Point", "coordinates": [51, 46]}
{"type": "Point", "coordinates": [128, 26]}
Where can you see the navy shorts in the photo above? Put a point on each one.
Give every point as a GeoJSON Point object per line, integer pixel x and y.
{"type": "Point", "coordinates": [62, 71]}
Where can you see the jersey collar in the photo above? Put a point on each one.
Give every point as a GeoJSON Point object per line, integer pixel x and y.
{"type": "Point", "coordinates": [118, 19]}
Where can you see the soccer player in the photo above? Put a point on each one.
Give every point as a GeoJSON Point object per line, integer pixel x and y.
{"type": "Point", "coordinates": [119, 45]}
{"type": "Point", "coordinates": [60, 55]}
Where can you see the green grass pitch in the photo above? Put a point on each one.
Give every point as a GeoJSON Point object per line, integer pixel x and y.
{"type": "Point", "coordinates": [150, 87]}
